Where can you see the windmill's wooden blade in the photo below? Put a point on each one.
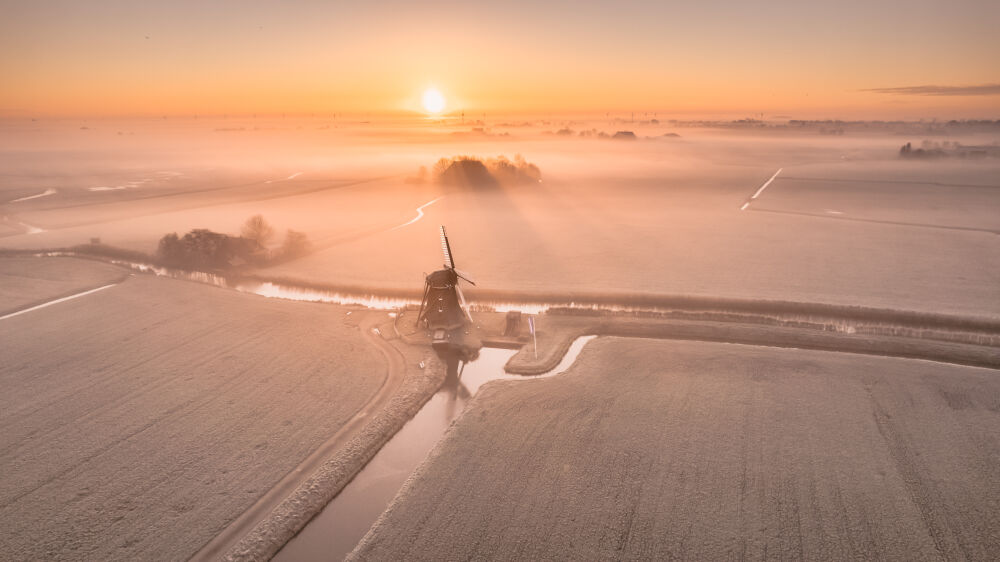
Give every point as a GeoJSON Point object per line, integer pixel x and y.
{"type": "Point", "coordinates": [461, 299]}
{"type": "Point", "coordinates": [464, 275]}
{"type": "Point", "coordinates": [446, 249]}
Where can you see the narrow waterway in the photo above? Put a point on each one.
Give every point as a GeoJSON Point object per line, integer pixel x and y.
{"type": "Point", "coordinates": [827, 317]}
{"type": "Point", "coordinates": [335, 532]}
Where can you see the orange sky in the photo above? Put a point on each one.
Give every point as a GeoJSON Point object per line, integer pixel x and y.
{"type": "Point", "coordinates": [805, 59]}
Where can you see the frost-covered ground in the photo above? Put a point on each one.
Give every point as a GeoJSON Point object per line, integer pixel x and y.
{"type": "Point", "coordinates": [140, 420]}
{"type": "Point", "coordinates": [29, 281]}
{"type": "Point", "coordinates": [651, 449]}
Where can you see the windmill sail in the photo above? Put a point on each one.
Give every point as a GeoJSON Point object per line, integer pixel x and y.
{"type": "Point", "coordinates": [446, 249]}
{"type": "Point", "coordinates": [462, 303]}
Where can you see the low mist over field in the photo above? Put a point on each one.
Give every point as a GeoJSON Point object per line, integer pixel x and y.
{"type": "Point", "coordinates": [847, 219]}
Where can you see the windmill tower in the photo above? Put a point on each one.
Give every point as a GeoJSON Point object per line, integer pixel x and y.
{"type": "Point", "coordinates": [443, 306]}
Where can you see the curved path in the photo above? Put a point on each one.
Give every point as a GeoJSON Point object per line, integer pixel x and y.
{"type": "Point", "coordinates": [395, 371]}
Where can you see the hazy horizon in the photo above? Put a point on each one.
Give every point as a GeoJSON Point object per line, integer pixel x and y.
{"type": "Point", "coordinates": [849, 60]}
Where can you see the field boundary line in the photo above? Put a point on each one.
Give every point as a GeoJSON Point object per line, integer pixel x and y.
{"type": "Point", "coordinates": [878, 221]}
{"type": "Point", "coordinates": [760, 190]}
{"type": "Point", "coordinates": [57, 301]}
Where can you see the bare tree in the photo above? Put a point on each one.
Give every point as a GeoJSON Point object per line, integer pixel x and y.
{"type": "Point", "coordinates": [258, 230]}
{"type": "Point", "coordinates": [295, 244]}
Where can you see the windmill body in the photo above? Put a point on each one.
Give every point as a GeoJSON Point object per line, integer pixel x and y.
{"type": "Point", "coordinates": [443, 310]}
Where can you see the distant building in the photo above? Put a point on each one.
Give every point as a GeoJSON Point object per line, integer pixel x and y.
{"type": "Point", "coordinates": [946, 149]}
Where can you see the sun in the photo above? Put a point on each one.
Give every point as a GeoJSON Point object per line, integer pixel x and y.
{"type": "Point", "coordinates": [433, 101]}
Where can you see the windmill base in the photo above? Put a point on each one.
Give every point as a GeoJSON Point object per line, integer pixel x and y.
{"type": "Point", "coordinates": [456, 343]}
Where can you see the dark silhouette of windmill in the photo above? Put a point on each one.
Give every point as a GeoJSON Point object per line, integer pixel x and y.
{"type": "Point", "coordinates": [443, 310]}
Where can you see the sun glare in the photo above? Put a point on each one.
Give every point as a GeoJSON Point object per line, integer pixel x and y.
{"type": "Point", "coordinates": [433, 101]}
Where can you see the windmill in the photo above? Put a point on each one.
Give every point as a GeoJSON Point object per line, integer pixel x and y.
{"type": "Point", "coordinates": [443, 310]}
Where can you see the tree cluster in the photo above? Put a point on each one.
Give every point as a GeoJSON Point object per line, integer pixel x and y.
{"type": "Point", "coordinates": [473, 171]}
{"type": "Point", "coordinates": [204, 249]}
{"type": "Point", "coordinates": [928, 151]}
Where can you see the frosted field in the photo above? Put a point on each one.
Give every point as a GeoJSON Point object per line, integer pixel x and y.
{"type": "Point", "coordinates": [141, 420]}
{"type": "Point", "coordinates": [29, 281]}
{"type": "Point", "coordinates": [650, 449]}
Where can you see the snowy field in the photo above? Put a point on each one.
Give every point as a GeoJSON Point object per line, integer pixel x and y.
{"type": "Point", "coordinates": [657, 450]}
{"type": "Point", "coordinates": [29, 281]}
{"type": "Point", "coordinates": [140, 420]}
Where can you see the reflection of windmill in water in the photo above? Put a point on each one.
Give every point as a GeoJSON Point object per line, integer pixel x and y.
{"type": "Point", "coordinates": [456, 393]}
{"type": "Point", "coordinates": [444, 312]}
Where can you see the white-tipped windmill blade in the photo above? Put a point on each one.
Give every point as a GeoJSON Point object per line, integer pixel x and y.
{"type": "Point", "coordinates": [463, 275]}
{"type": "Point", "coordinates": [449, 260]}
{"type": "Point", "coordinates": [462, 302]}
{"type": "Point", "coordinates": [446, 249]}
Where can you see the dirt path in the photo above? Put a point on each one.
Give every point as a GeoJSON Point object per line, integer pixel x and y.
{"type": "Point", "coordinates": [312, 495]}
{"type": "Point", "coordinates": [395, 370]}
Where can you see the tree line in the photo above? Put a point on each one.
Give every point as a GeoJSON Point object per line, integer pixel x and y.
{"type": "Point", "coordinates": [204, 249]}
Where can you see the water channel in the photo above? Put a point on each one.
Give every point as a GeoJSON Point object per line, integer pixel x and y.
{"type": "Point", "coordinates": [335, 532]}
